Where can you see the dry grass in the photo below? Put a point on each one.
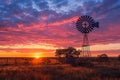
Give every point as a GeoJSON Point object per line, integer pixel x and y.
{"type": "Point", "coordinates": [58, 71]}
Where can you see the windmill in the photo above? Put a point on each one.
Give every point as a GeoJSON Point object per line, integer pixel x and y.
{"type": "Point", "coordinates": [85, 24]}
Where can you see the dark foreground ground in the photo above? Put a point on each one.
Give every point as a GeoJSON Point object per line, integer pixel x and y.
{"type": "Point", "coordinates": [52, 69]}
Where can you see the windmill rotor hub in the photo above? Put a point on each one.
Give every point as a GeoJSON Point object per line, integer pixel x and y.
{"type": "Point", "coordinates": [86, 24]}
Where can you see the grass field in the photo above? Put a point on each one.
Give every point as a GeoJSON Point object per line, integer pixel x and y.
{"type": "Point", "coordinates": [52, 69]}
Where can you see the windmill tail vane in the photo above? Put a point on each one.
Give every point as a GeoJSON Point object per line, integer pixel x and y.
{"type": "Point", "coordinates": [96, 24]}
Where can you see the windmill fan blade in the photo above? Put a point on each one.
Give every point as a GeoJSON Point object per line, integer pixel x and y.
{"type": "Point", "coordinates": [86, 17]}
{"type": "Point", "coordinates": [79, 19]}
{"type": "Point", "coordinates": [90, 29]}
{"type": "Point", "coordinates": [89, 18]}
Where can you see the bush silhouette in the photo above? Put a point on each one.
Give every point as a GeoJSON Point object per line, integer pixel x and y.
{"type": "Point", "coordinates": [103, 57]}
{"type": "Point", "coordinates": [70, 54]}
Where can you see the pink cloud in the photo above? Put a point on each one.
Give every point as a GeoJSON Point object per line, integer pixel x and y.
{"type": "Point", "coordinates": [61, 22]}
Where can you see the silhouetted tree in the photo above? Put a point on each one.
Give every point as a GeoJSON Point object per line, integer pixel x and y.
{"type": "Point", "coordinates": [70, 54]}
{"type": "Point", "coordinates": [77, 53]}
{"type": "Point", "coordinates": [103, 57]}
{"type": "Point", "coordinates": [70, 51]}
{"type": "Point", "coordinates": [60, 52]}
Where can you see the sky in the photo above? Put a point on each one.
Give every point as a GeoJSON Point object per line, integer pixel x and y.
{"type": "Point", "coordinates": [39, 27]}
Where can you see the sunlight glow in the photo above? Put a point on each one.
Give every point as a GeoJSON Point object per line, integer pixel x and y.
{"type": "Point", "coordinates": [37, 57]}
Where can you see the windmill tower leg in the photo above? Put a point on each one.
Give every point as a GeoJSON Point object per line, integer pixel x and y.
{"type": "Point", "coordinates": [85, 46]}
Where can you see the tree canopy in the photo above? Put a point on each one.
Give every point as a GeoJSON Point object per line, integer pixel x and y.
{"type": "Point", "coordinates": [68, 52]}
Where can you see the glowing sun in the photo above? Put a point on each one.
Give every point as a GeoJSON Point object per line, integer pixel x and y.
{"type": "Point", "coordinates": [37, 57]}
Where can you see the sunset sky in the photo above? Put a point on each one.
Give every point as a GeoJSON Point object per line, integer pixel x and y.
{"type": "Point", "coordinates": [37, 27]}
